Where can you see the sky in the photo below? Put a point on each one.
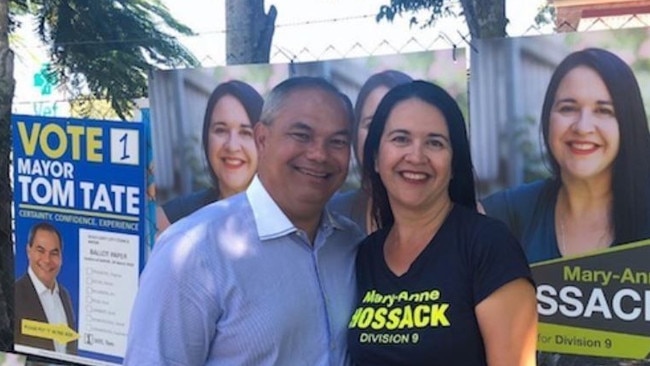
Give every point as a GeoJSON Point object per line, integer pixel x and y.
{"type": "Point", "coordinates": [325, 29]}
{"type": "Point", "coordinates": [306, 30]}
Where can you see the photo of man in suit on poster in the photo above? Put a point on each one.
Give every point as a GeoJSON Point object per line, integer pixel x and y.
{"type": "Point", "coordinates": [38, 295]}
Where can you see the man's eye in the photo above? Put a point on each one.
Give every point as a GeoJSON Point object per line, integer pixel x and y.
{"type": "Point", "coordinates": [300, 136]}
{"type": "Point", "coordinates": [340, 143]}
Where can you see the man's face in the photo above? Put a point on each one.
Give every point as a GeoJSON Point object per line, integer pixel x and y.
{"type": "Point", "coordinates": [304, 152]}
{"type": "Point", "coordinates": [45, 256]}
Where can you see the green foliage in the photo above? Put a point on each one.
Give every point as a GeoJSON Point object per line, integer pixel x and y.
{"type": "Point", "coordinates": [194, 162]}
{"type": "Point", "coordinates": [531, 148]}
{"type": "Point", "coordinates": [546, 15]}
{"type": "Point", "coordinates": [437, 9]}
{"type": "Point", "coordinates": [485, 19]}
{"type": "Point", "coordinates": [108, 46]}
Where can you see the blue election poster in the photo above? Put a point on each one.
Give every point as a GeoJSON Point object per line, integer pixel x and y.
{"type": "Point", "coordinates": [79, 208]}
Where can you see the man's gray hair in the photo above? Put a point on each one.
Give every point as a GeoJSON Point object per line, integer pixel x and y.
{"type": "Point", "coordinates": [278, 96]}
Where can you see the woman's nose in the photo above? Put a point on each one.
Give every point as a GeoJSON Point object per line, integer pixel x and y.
{"type": "Point", "coordinates": [233, 142]}
{"type": "Point", "coordinates": [416, 153]}
{"type": "Point", "coordinates": [585, 123]}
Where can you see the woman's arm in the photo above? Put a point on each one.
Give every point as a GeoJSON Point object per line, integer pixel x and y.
{"type": "Point", "coordinates": [508, 322]}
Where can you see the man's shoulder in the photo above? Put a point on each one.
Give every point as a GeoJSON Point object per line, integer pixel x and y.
{"type": "Point", "coordinates": [24, 290]}
{"type": "Point", "coordinates": [24, 282]}
{"type": "Point", "coordinates": [201, 228]}
{"type": "Point", "coordinates": [214, 214]}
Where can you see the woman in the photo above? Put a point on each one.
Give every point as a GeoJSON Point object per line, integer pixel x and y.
{"type": "Point", "coordinates": [440, 284]}
{"type": "Point", "coordinates": [233, 109]}
{"type": "Point", "coordinates": [595, 130]}
{"type": "Point", "coordinates": [355, 204]}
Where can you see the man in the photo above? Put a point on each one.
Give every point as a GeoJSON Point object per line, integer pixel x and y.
{"type": "Point", "coordinates": [38, 296]}
{"type": "Point", "coordinates": [265, 277]}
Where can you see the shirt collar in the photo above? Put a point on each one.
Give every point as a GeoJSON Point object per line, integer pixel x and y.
{"type": "Point", "coordinates": [270, 220]}
{"type": "Point", "coordinates": [38, 285]}
{"type": "Point", "coordinates": [330, 219]}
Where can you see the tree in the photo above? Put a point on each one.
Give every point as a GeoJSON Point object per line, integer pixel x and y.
{"type": "Point", "coordinates": [249, 31]}
{"type": "Point", "coordinates": [98, 50]}
{"type": "Point", "coordinates": [485, 18]}
{"type": "Point", "coordinates": [6, 250]}
{"type": "Point", "coordinates": [546, 15]}
{"type": "Point", "coordinates": [108, 46]}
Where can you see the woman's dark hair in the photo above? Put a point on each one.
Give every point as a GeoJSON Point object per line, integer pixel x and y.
{"type": "Point", "coordinates": [386, 78]}
{"type": "Point", "coordinates": [249, 98]}
{"type": "Point", "coordinates": [461, 187]}
{"type": "Point", "coordinates": [631, 170]}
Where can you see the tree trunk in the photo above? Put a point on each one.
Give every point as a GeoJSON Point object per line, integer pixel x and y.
{"type": "Point", "coordinates": [6, 245]}
{"type": "Point", "coordinates": [249, 31]}
{"type": "Point", "coordinates": [485, 18]}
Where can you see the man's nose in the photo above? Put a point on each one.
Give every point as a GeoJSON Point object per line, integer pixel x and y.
{"type": "Point", "coordinates": [317, 151]}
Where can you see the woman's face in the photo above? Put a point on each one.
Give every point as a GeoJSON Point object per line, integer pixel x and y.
{"type": "Point", "coordinates": [583, 130]}
{"type": "Point", "coordinates": [367, 112]}
{"type": "Point", "coordinates": [231, 147]}
{"type": "Point", "coordinates": [414, 157]}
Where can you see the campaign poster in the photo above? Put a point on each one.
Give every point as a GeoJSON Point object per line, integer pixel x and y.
{"type": "Point", "coordinates": [178, 100]}
{"type": "Point", "coordinates": [593, 305]}
{"type": "Point", "coordinates": [79, 204]}
{"type": "Point", "coordinates": [597, 304]}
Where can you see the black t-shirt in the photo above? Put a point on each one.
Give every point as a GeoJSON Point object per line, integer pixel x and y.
{"type": "Point", "coordinates": [183, 206]}
{"type": "Point", "coordinates": [426, 316]}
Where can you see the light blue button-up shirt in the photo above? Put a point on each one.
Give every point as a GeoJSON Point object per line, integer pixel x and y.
{"type": "Point", "coordinates": [236, 283]}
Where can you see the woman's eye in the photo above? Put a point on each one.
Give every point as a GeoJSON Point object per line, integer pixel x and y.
{"type": "Point", "coordinates": [566, 108]}
{"type": "Point", "coordinates": [400, 139]}
{"type": "Point", "coordinates": [436, 143]}
{"type": "Point", "coordinates": [605, 111]}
